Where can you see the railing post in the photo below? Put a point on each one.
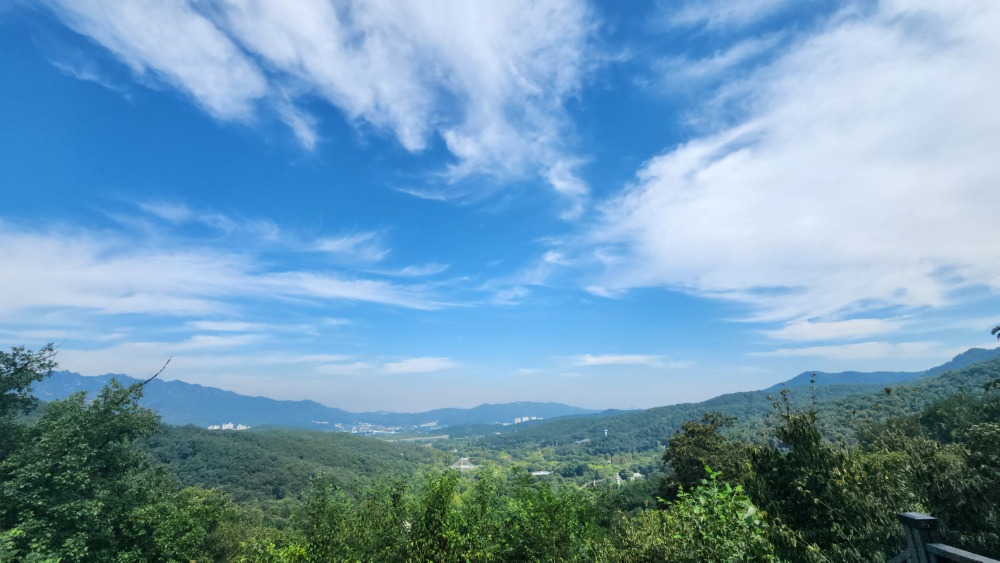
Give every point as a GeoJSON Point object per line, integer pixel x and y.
{"type": "Point", "coordinates": [918, 528]}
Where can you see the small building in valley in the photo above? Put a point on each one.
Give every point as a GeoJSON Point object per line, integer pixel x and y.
{"type": "Point", "coordinates": [464, 464]}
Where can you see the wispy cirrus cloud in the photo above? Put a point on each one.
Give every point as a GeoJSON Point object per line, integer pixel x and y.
{"type": "Point", "coordinates": [197, 358]}
{"type": "Point", "coordinates": [628, 360]}
{"type": "Point", "coordinates": [857, 178]}
{"type": "Point", "coordinates": [394, 367]}
{"type": "Point", "coordinates": [230, 326]}
{"type": "Point", "coordinates": [421, 270]}
{"type": "Point", "coordinates": [180, 214]}
{"type": "Point", "coordinates": [489, 79]}
{"type": "Point", "coordinates": [420, 365]}
{"type": "Point", "coordinates": [82, 69]}
{"type": "Point", "coordinates": [365, 246]}
{"type": "Point", "coordinates": [875, 350]}
{"type": "Point", "coordinates": [226, 326]}
{"type": "Point", "coordinates": [144, 34]}
{"type": "Point", "coordinates": [851, 329]}
{"type": "Point", "coordinates": [112, 273]}
{"type": "Point", "coordinates": [719, 14]}
{"type": "Point", "coordinates": [675, 73]}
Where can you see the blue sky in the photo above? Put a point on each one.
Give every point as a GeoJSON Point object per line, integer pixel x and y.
{"type": "Point", "coordinates": [407, 205]}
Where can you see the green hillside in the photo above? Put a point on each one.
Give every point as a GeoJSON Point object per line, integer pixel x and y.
{"type": "Point", "coordinates": [967, 358]}
{"type": "Point", "coordinates": [842, 408]}
{"type": "Point", "coordinates": [273, 463]}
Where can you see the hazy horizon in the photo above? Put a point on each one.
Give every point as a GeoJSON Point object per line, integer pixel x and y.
{"type": "Point", "coordinates": [472, 402]}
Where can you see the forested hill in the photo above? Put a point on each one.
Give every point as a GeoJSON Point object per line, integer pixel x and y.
{"type": "Point", "coordinates": [180, 403]}
{"type": "Point", "coordinates": [969, 357]}
{"type": "Point", "coordinates": [277, 462]}
{"type": "Point", "coordinates": [842, 408]}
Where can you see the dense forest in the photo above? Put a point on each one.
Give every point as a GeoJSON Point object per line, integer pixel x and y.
{"type": "Point", "coordinates": [803, 474]}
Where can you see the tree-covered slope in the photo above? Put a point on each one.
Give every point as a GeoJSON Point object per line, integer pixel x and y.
{"type": "Point", "coordinates": [275, 462]}
{"type": "Point", "coordinates": [969, 357]}
{"type": "Point", "coordinates": [842, 408]}
{"type": "Point", "coordinates": [639, 431]}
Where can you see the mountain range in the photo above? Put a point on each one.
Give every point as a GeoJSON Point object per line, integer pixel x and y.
{"type": "Point", "coordinates": [969, 357]}
{"type": "Point", "coordinates": [837, 400]}
{"type": "Point", "coordinates": [181, 403]}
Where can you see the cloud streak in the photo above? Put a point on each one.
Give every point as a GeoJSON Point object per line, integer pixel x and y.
{"type": "Point", "coordinates": [807, 330]}
{"type": "Point", "coordinates": [627, 360]}
{"type": "Point", "coordinates": [875, 350]}
{"type": "Point", "coordinates": [144, 34]}
{"type": "Point", "coordinates": [721, 14]}
{"type": "Point", "coordinates": [116, 273]}
{"type": "Point", "coordinates": [398, 367]}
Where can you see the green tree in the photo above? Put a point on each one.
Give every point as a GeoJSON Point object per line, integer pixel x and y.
{"type": "Point", "coordinates": [75, 486]}
{"type": "Point", "coordinates": [18, 370]}
{"type": "Point", "coordinates": [490, 518]}
{"type": "Point", "coordinates": [843, 501]}
{"type": "Point", "coordinates": [435, 534]}
{"type": "Point", "coordinates": [711, 522]}
{"type": "Point", "coordinates": [697, 445]}
{"type": "Point", "coordinates": [71, 482]}
{"type": "Point", "coordinates": [328, 517]}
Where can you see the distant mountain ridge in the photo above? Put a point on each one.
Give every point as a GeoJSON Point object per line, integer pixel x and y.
{"type": "Point", "coordinates": [638, 431]}
{"type": "Point", "coordinates": [967, 358]}
{"type": "Point", "coordinates": [179, 403]}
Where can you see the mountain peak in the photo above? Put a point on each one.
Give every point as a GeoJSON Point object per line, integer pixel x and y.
{"type": "Point", "coordinates": [970, 356]}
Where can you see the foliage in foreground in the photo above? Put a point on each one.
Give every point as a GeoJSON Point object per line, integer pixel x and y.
{"type": "Point", "coordinates": [74, 487]}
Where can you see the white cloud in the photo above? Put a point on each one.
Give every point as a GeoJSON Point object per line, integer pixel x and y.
{"type": "Point", "coordinates": [226, 326]}
{"type": "Point", "coordinates": [430, 195]}
{"type": "Point", "coordinates": [868, 351]}
{"type": "Point", "coordinates": [364, 246]}
{"type": "Point", "coordinates": [806, 330]}
{"type": "Point", "coordinates": [420, 365]}
{"type": "Point", "coordinates": [321, 358]}
{"type": "Point", "coordinates": [562, 176]}
{"type": "Point", "coordinates": [361, 246]}
{"type": "Point", "coordinates": [511, 295]}
{"type": "Point", "coordinates": [489, 78]}
{"type": "Point", "coordinates": [627, 360]}
{"type": "Point", "coordinates": [428, 269]}
{"type": "Point", "coordinates": [720, 14]}
{"type": "Point", "coordinates": [181, 214]}
{"type": "Point", "coordinates": [863, 176]}
{"type": "Point", "coordinates": [376, 367]}
{"type": "Point", "coordinates": [236, 360]}
{"type": "Point", "coordinates": [678, 73]}
{"type": "Point", "coordinates": [269, 328]}
{"type": "Point", "coordinates": [323, 286]}
{"type": "Point", "coordinates": [214, 341]}
{"type": "Point", "coordinates": [175, 43]}
{"type": "Point", "coordinates": [107, 273]}
{"type": "Point", "coordinates": [82, 69]}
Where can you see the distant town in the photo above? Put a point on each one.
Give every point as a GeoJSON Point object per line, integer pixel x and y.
{"type": "Point", "coordinates": [229, 426]}
{"type": "Point", "coordinates": [371, 429]}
